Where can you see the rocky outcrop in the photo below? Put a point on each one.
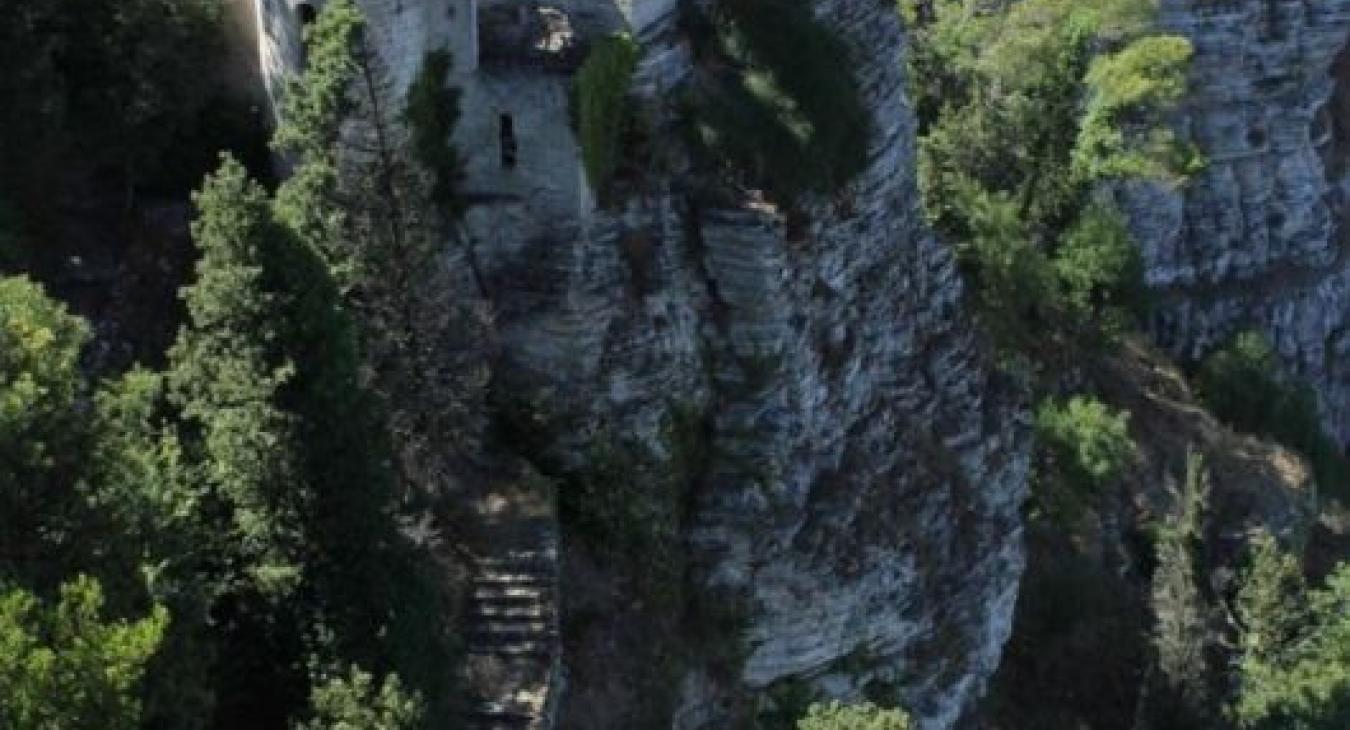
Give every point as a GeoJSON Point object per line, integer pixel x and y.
{"type": "Point", "coordinates": [1258, 239]}
{"type": "Point", "coordinates": [859, 499]}
{"type": "Point", "coordinates": [853, 505]}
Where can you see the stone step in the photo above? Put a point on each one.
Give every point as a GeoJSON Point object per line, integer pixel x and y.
{"type": "Point", "coordinates": [493, 639]}
{"type": "Point", "coordinates": [512, 591]}
{"type": "Point", "coordinates": [533, 650]}
{"type": "Point", "coordinates": [535, 558]}
{"type": "Point", "coordinates": [495, 715]}
{"type": "Point", "coordinates": [487, 610]}
{"type": "Point", "coordinates": [526, 578]}
{"type": "Point", "coordinates": [497, 625]}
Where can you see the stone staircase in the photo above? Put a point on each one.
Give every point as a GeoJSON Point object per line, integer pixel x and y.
{"type": "Point", "coordinates": [514, 646]}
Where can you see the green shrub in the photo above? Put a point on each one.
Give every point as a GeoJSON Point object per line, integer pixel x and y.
{"type": "Point", "coordinates": [603, 112]}
{"type": "Point", "coordinates": [1023, 107]}
{"type": "Point", "coordinates": [1295, 669]}
{"type": "Point", "coordinates": [1014, 281]}
{"type": "Point", "coordinates": [1100, 271]}
{"type": "Point", "coordinates": [339, 701]}
{"type": "Point", "coordinates": [865, 716]}
{"type": "Point", "coordinates": [63, 666]}
{"type": "Point", "coordinates": [1240, 384]}
{"type": "Point", "coordinates": [1083, 447]}
{"type": "Point", "coordinates": [1122, 134]}
{"type": "Point", "coordinates": [782, 106]}
{"type": "Point", "coordinates": [432, 111]}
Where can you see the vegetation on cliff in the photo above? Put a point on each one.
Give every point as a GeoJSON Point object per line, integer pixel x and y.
{"type": "Point", "coordinates": [1241, 384]}
{"type": "Point", "coordinates": [246, 497]}
{"type": "Point", "coordinates": [1031, 115]}
{"type": "Point", "coordinates": [779, 105]}
{"type": "Point", "coordinates": [603, 112]}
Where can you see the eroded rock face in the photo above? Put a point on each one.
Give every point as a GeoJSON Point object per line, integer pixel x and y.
{"type": "Point", "coordinates": [860, 500]}
{"type": "Point", "coordinates": [1257, 239]}
{"type": "Point", "coordinates": [857, 498]}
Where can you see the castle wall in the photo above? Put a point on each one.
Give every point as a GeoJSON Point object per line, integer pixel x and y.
{"type": "Point", "coordinates": [545, 192]}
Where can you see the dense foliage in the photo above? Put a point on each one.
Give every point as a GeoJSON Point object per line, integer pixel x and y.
{"type": "Point", "coordinates": [1084, 447]}
{"type": "Point", "coordinates": [128, 89]}
{"type": "Point", "coordinates": [431, 111]}
{"type": "Point", "coordinates": [246, 496]}
{"type": "Point", "coordinates": [866, 716]}
{"type": "Point", "coordinates": [1182, 692]}
{"type": "Point", "coordinates": [1025, 111]}
{"type": "Point", "coordinates": [64, 666]}
{"type": "Point", "coordinates": [1295, 672]}
{"type": "Point", "coordinates": [780, 104]}
{"type": "Point", "coordinates": [1240, 382]}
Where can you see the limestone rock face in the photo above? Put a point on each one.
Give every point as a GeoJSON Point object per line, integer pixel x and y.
{"type": "Point", "coordinates": [1257, 239]}
{"type": "Point", "coordinates": [861, 497]}
{"type": "Point", "coordinates": [858, 496]}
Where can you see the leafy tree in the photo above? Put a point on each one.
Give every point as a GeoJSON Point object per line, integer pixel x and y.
{"type": "Point", "coordinates": [1100, 271]}
{"type": "Point", "coordinates": [114, 83]}
{"type": "Point", "coordinates": [1238, 381]}
{"type": "Point", "coordinates": [65, 667]}
{"type": "Point", "coordinates": [1122, 133]}
{"type": "Point", "coordinates": [1179, 694]}
{"type": "Point", "coordinates": [1024, 107]}
{"type": "Point", "coordinates": [353, 701]}
{"type": "Point", "coordinates": [1271, 603]}
{"type": "Point", "coordinates": [1295, 674]}
{"type": "Point", "coordinates": [225, 371]}
{"type": "Point", "coordinates": [865, 716]}
{"type": "Point", "coordinates": [431, 111]}
{"type": "Point", "coordinates": [374, 227]}
{"type": "Point", "coordinates": [1012, 276]}
{"type": "Point", "coordinates": [779, 103]}
{"type": "Point", "coordinates": [42, 435]}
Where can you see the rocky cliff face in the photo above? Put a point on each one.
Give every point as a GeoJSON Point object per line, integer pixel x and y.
{"type": "Point", "coordinates": [800, 407]}
{"type": "Point", "coordinates": [1258, 239]}
{"type": "Point", "coordinates": [858, 496]}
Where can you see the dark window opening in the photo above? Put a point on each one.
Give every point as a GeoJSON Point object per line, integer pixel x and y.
{"type": "Point", "coordinates": [508, 141]}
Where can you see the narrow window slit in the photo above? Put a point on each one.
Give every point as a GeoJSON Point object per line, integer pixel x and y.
{"type": "Point", "coordinates": [508, 142]}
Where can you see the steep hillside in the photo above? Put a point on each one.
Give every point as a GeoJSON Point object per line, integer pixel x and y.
{"type": "Point", "coordinates": [1258, 238]}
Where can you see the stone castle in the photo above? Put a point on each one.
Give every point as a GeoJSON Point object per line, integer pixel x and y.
{"type": "Point", "coordinates": [865, 467]}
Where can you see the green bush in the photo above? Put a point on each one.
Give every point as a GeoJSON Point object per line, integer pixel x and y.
{"type": "Point", "coordinates": [782, 106]}
{"type": "Point", "coordinates": [865, 716]}
{"type": "Point", "coordinates": [1240, 384]}
{"type": "Point", "coordinates": [339, 701]}
{"type": "Point", "coordinates": [1100, 272]}
{"type": "Point", "coordinates": [1014, 280]}
{"type": "Point", "coordinates": [1295, 669]}
{"type": "Point", "coordinates": [432, 111]}
{"type": "Point", "coordinates": [63, 666]}
{"type": "Point", "coordinates": [1023, 108]}
{"type": "Point", "coordinates": [1122, 133]}
{"type": "Point", "coordinates": [603, 112]}
{"type": "Point", "coordinates": [1083, 447]}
